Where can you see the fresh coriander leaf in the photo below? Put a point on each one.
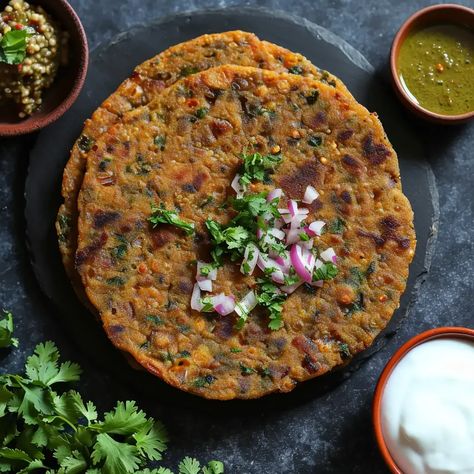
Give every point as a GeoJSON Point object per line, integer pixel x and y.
{"type": "Point", "coordinates": [87, 410]}
{"type": "Point", "coordinates": [296, 70]}
{"type": "Point", "coordinates": [256, 166]}
{"type": "Point", "coordinates": [189, 466]}
{"type": "Point", "coordinates": [213, 467]}
{"type": "Point", "coordinates": [117, 457]}
{"type": "Point", "coordinates": [162, 216]}
{"type": "Point", "coordinates": [42, 366]}
{"type": "Point", "coordinates": [304, 237]}
{"type": "Point", "coordinates": [6, 331]}
{"type": "Point", "coordinates": [245, 371]}
{"type": "Point", "coordinates": [125, 420]}
{"type": "Point", "coordinates": [337, 226]}
{"type": "Point", "coordinates": [151, 440]}
{"type": "Point", "coordinates": [235, 350]}
{"type": "Point", "coordinates": [327, 271]}
{"type": "Point", "coordinates": [202, 112]}
{"type": "Point", "coordinates": [13, 46]}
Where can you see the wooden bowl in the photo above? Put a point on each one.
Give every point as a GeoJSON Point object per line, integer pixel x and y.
{"type": "Point", "coordinates": [68, 82]}
{"type": "Point", "coordinates": [456, 332]}
{"type": "Point", "coordinates": [436, 14]}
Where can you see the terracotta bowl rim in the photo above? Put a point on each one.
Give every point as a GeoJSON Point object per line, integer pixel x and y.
{"type": "Point", "coordinates": [33, 124]}
{"type": "Point", "coordinates": [395, 49]}
{"type": "Point", "coordinates": [436, 333]}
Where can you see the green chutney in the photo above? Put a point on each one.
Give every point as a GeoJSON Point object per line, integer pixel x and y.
{"type": "Point", "coordinates": [436, 67]}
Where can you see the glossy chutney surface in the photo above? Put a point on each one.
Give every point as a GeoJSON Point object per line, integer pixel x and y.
{"type": "Point", "coordinates": [436, 68]}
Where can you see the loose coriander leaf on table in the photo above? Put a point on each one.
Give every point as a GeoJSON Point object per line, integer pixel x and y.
{"type": "Point", "coordinates": [213, 467]}
{"type": "Point", "coordinates": [160, 215]}
{"type": "Point", "coordinates": [6, 331]}
{"type": "Point", "coordinates": [189, 466]}
{"type": "Point", "coordinates": [13, 46]}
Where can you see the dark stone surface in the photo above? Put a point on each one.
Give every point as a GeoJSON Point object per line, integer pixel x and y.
{"type": "Point", "coordinates": [332, 432]}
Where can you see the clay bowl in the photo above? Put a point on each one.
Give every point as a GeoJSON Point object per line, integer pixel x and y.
{"type": "Point", "coordinates": [456, 332]}
{"type": "Point", "coordinates": [436, 14]}
{"type": "Point", "coordinates": [69, 80]}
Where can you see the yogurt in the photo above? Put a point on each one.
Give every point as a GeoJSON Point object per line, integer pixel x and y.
{"type": "Point", "coordinates": [427, 409]}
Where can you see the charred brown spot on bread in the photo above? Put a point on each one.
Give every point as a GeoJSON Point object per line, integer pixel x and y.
{"type": "Point", "coordinates": [220, 126]}
{"type": "Point", "coordinates": [102, 218]}
{"type": "Point", "coordinates": [225, 326]}
{"type": "Point", "coordinates": [353, 165]}
{"type": "Point", "coordinates": [84, 255]}
{"type": "Point", "coordinates": [199, 180]}
{"type": "Point", "coordinates": [310, 364]}
{"type": "Point", "coordinates": [317, 121]}
{"type": "Point", "coordinates": [162, 236]}
{"type": "Point", "coordinates": [376, 153]}
{"type": "Point", "coordinates": [344, 135]}
{"type": "Point", "coordinates": [310, 173]}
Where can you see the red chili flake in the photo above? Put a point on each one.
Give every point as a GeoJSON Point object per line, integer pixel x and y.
{"type": "Point", "coordinates": [18, 26]}
{"type": "Point", "coordinates": [192, 102]}
{"type": "Point", "coordinates": [20, 67]}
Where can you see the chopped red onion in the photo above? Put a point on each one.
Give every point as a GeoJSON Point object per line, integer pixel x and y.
{"type": "Point", "coordinates": [277, 233]}
{"type": "Point", "coordinates": [307, 244]}
{"type": "Point", "coordinates": [316, 227]}
{"type": "Point", "coordinates": [300, 264]}
{"type": "Point", "coordinates": [292, 235]}
{"type": "Point", "coordinates": [246, 304]}
{"type": "Point", "coordinates": [259, 233]}
{"type": "Point", "coordinates": [252, 251]}
{"type": "Point", "coordinates": [310, 195]}
{"type": "Point", "coordinates": [293, 207]}
{"type": "Point", "coordinates": [279, 223]}
{"type": "Point", "coordinates": [329, 255]}
{"type": "Point", "coordinates": [237, 187]}
{"type": "Point", "coordinates": [274, 194]}
{"type": "Point", "coordinates": [223, 304]}
{"type": "Point", "coordinates": [212, 275]}
{"type": "Point", "coordinates": [196, 298]}
{"type": "Point", "coordinates": [284, 262]}
{"type": "Point", "coordinates": [205, 285]}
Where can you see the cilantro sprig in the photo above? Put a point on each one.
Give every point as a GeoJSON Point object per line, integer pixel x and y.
{"type": "Point", "coordinates": [271, 298]}
{"type": "Point", "coordinates": [13, 46]}
{"type": "Point", "coordinates": [327, 271]}
{"type": "Point", "coordinates": [160, 215]}
{"type": "Point", "coordinates": [45, 427]}
{"type": "Point", "coordinates": [256, 167]}
{"type": "Point", "coordinates": [6, 331]}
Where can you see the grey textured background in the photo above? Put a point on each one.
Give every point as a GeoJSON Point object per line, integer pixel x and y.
{"type": "Point", "coordinates": [331, 433]}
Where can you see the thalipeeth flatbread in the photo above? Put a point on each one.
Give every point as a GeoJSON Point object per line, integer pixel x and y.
{"type": "Point", "coordinates": [140, 279]}
{"type": "Point", "coordinates": [145, 84]}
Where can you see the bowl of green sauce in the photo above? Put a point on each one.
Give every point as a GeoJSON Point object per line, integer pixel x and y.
{"type": "Point", "coordinates": [432, 63]}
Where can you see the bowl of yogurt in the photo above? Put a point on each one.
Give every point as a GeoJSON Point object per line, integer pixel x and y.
{"type": "Point", "coordinates": [423, 408]}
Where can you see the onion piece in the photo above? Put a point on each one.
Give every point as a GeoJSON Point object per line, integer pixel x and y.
{"type": "Point", "coordinates": [212, 275]}
{"type": "Point", "coordinates": [237, 187]}
{"type": "Point", "coordinates": [316, 227]}
{"type": "Point", "coordinates": [293, 207]}
{"type": "Point", "coordinates": [292, 235]}
{"type": "Point", "coordinates": [274, 194]}
{"type": "Point", "coordinates": [223, 304]}
{"type": "Point", "coordinates": [308, 245]}
{"type": "Point", "coordinates": [329, 255]}
{"type": "Point", "coordinates": [310, 195]}
{"type": "Point", "coordinates": [278, 223]}
{"type": "Point", "coordinates": [300, 263]}
{"type": "Point", "coordinates": [259, 233]}
{"type": "Point", "coordinates": [196, 298]}
{"type": "Point", "coordinates": [277, 233]}
{"type": "Point", "coordinates": [278, 276]}
{"type": "Point", "coordinates": [246, 304]}
{"type": "Point", "coordinates": [205, 285]}
{"type": "Point", "coordinates": [284, 262]}
{"type": "Point", "coordinates": [250, 257]}
{"type": "Point", "coordinates": [318, 283]}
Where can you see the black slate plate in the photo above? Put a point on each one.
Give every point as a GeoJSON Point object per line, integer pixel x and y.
{"type": "Point", "coordinates": [110, 64]}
